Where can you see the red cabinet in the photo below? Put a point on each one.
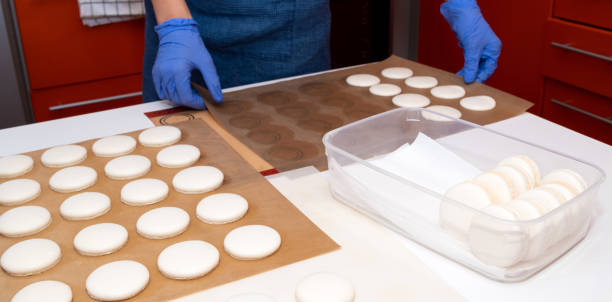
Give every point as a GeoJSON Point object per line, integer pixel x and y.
{"type": "Point", "coordinates": [578, 109]}
{"type": "Point", "coordinates": [62, 56]}
{"type": "Point", "coordinates": [597, 13]}
{"type": "Point", "coordinates": [552, 49]}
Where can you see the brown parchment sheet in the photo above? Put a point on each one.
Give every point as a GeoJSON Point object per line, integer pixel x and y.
{"type": "Point", "coordinates": [285, 122]}
{"type": "Point", "coordinates": [301, 239]}
{"type": "Point", "coordinates": [180, 114]}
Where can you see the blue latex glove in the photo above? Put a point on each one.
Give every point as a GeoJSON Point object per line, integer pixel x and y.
{"type": "Point", "coordinates": [181, 50]}
{"type": "Point", "coordinates": [481, 47]}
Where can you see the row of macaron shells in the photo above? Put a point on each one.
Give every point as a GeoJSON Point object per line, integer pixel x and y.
{"type": "Point", "coordinates": [89, 205]}
{"type": "Point", "coordinates": [514, 191]}
{"type": "Point", "coordinates": [416, 100]}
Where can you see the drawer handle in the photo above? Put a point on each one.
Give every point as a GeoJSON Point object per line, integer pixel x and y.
{"type": "Point", "coordinates": [570, 107]}
{"type": "Point", "coordinates": [582, 51]}
{"type": "Point", "coordinates": [94, 101]}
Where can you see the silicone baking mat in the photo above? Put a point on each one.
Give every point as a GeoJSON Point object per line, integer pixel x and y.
{"type": "Point", "coordinates": [301, 239]}
{"type": "Point", "coordinates": [285, 122]}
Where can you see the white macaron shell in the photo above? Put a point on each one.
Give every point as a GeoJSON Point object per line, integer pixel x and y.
{"type": "Point", "coordinates": [162, 223]}
{"type": "Point", "coordinates": [566, 177]}
{"type": "Point", "coordinates": [117, 280]}
{"type": "Point", "coordinates": [24, 221]}
{"type": "Point", "coordinates": [252, 242]}
{"type": "Point", "coordinates": [15, 165]}
{"type": "Point", "coordinates": [84, 206]}
{"type": "Point", "coordinates": [18, 191]}
{"type": "Point", "coordinates": [385, 89]}
{"type": "Point", "coordinates": [144, 191]}
{"type": "Point", "coordinates": [197, 180]}
{"type": "Point", "coordinates": [30, 257]}
{"type": "Point", "coordinates": [127, 167]}
{"type": "Point", "coordinates": [222, 208]}
{"type": "Point", "coordinates": [73, 179]}
{"type": "Point", "coordinates": [63, 156]}
{"type": "Point", "coordinates": [362, 80]}
{"type": "Point", "coordinates": [48, 291]}
{"type": "Point", "coordinates": [100, 239]}
{"type": "Point", "coordinates": [496, 185]}
{"type": "Point", "coordinates": [188, 260]}
{"type": "Point", "coordinates": [178, 156]}
{"type": "Point", "coordinates": [397, 73]}
{"type": "Point", "coordinates": [441, 109]}
{"type": "Point", "coordinates": [421, 82]}
{"type": "Point", "coordinates": [159, 136]}
{"type": "Point", "coordinates": [116, 145]}
{"type": "Point", "coordinates": [495, 242]}
{"type": "Point", "coordinates": [448, 92]}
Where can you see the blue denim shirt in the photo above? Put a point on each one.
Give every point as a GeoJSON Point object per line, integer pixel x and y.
{"type": "Point", "coordinates": [252, 41]}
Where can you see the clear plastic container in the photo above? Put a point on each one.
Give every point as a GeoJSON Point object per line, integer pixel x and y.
{"type": "Point", "coordinates": [501, 249]}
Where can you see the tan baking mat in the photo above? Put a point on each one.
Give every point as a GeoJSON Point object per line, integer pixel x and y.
{"type": "Point", "coordinates": [301, 239]}
{"type": "Point", "coordinates": [284, 122]}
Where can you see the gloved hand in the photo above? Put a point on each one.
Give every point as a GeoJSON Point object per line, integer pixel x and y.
{"type": "Point", "coordinates": [481, 47]}
{"type": "Point", "coordinates": [182, 50]}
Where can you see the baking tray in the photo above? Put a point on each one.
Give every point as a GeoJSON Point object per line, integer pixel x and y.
{"type": "Point", "coordinates": [301, 239]}
{"type": "Point", "coordinates": [284, 122]}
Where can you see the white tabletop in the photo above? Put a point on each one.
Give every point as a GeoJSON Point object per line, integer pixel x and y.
{"type": "Point", "coordinates": [584, 273]}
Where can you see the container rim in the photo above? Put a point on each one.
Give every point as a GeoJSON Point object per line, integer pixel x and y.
{"type": "Point", "coordinates": [329, 135]}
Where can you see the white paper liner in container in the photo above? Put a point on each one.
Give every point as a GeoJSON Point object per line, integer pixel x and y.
{"type": "Point", "coordinates": [365, 174]}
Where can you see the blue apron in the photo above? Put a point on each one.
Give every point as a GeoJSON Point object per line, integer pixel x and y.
{"type": "Point", "coordinates": [252, 41]}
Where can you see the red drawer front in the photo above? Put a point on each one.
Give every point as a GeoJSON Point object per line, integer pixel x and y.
{"type": "Point", "coordinates": [60, 50]}
{"type": "Point", "coordinates": [581, 57]}
{"type": "Point", "coordinates": [577, 109]}
{"type": "Point", "coordinates": [49, 103]}
{"type": "Point", "coordinates": [593, 12]}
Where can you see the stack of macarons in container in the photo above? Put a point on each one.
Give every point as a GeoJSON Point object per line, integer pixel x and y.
{"type": "Point", "coordinates": [498, 215]}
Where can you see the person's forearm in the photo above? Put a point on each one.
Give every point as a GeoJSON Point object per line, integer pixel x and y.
{"type": "Point", "coordinates": [170, 9]}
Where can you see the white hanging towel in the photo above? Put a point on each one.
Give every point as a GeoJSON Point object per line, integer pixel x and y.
{"type": "Point", "coordinates": [98, 12]}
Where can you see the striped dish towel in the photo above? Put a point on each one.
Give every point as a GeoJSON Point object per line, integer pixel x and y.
{"type": "Point", "coordinates": [98, 12]}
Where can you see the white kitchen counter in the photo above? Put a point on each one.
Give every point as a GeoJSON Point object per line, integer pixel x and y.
{"type": "Point", "coordinates": [383, 266]}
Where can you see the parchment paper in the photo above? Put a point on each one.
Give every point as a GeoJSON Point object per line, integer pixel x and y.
{"type": "Point", "coordinates": [301, 239]}
{"type": "Point", "coordinates": [284, 122]}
